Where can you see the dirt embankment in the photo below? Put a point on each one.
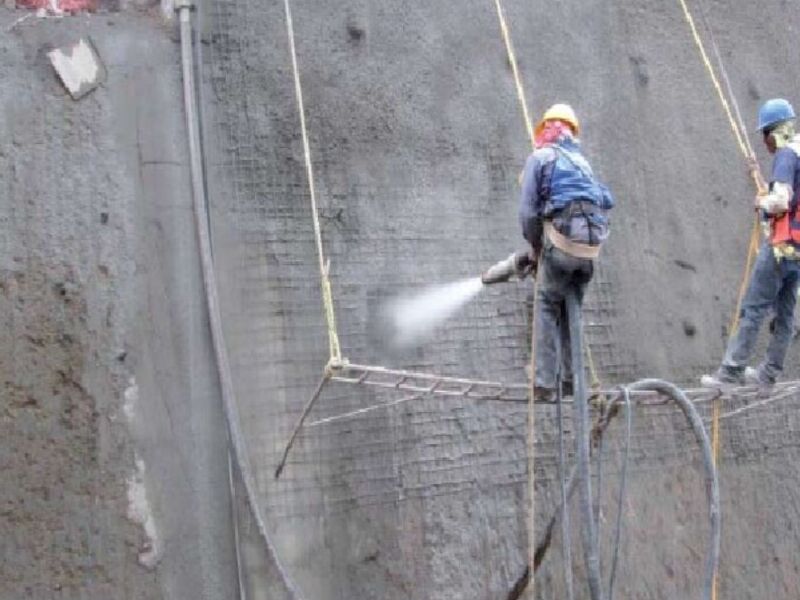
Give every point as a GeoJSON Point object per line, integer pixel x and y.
{"type": "Point", "coordinates": [96, 409]}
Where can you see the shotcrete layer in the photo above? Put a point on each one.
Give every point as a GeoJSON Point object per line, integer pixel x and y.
{"type": "Point", "coordinates": [417, 141]}
{"type": "Point", "coordinates": [114, 477]}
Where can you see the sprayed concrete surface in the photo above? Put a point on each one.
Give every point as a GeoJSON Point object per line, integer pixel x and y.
{"type": "Point", "coordinates": [113, 463]}
{"type": "Point", "coordinates": [417, 141]}
{"type": "Point", "coordinates": [113, 455]}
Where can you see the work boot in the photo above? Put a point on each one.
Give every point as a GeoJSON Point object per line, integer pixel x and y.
{"type": "Point", "coordinates": [758, 378]}
{"type": "Point", "coordinates": [724, 377]}
{"type": "Point", "coordinates": [544, 394]}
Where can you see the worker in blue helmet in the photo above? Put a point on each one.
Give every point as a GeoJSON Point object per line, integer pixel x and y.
{"type": "Point", "coordinates": [776, 276]}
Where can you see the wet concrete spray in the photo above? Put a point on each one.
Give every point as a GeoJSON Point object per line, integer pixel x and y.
{"type": "Point", "coordinates": [413, 319]}
{"type": "Point", "coordinates": [418, 139]}
{"type": "Point", "coordinates": [416, 131]}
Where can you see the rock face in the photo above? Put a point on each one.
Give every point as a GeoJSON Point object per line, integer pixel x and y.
{"type": "Point", "coordinates": [417, 140]}
{"type": "Point", "coordinates": [113, 454]}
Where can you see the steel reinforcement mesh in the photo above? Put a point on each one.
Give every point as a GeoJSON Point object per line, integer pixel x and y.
{"type": "Point", "coordinates": [409, 196]}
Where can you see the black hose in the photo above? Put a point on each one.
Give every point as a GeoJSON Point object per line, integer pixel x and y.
{"type": "Point", "coordinates": [581, 417]}
{"type": "Point", "coordinates": [200, 206]}
{"type": "Point", "coordinates": [543, 545]}
{"type": "Point", "coordinates": [599, 468]}
{"type": "Point", "coordinates": [623, 481]}
{"type": "Point", "coordinates": [566, 537]}
{"type": "Point", "coordinates": [712, 482]}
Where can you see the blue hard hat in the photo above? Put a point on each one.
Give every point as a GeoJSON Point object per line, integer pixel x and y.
{"type": "Point", "coordinates": [773, 112]}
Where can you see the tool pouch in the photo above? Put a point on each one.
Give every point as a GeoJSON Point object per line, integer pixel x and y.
{"type": "Point", "coordinates": [582, 222]}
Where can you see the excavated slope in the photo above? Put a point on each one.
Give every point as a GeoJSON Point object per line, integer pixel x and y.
{"type": "Point", "coordinates": [110, 409]}
{"type": "Point", "coordinates": [417, 140]}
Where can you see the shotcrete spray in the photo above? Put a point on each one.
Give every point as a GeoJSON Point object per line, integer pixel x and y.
{"type": "Point", "coordinates": [413, 319]}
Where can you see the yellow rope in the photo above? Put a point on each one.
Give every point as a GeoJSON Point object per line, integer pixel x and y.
{"type": "Point", "coordinates": [752, 250]}
{"type": "Point", "coordinates": [531, 437]}
{"type": "Point", "coordinates": [512, 58]}
{"type": "Point", "coordinates": [595, 380]}
{"type": "Point", "coordinates": [715, 448]}
{"type": "Point", "coordinates": [709, 67]}
{"type": "Point", "coordinates": [325, 284]}
{"type": "Point", "coordinates": [747, 151]}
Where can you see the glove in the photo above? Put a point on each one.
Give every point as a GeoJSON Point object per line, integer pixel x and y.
{"type": "Point", "coordinates": [526, 263]}
{"type": "Point", "coordinates": [777, 201]}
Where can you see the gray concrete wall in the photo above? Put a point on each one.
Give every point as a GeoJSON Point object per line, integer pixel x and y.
{"type": "Point", "coordinates": [113, 460]}
{"type": "Point", "coordinates": [417, 141]}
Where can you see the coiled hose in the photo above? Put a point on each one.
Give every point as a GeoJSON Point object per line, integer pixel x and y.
{"type": "Point", "coordinates": [581, 416]}
{"type": "Point", "coordinates": [711, 480]}
{"type": "Point", "coordinates": [566, 537]}
{"type": "Point", "coordinates": [580, 411]}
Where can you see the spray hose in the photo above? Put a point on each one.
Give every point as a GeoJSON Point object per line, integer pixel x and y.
{"type": "Point", "coordinates": [581, 415]}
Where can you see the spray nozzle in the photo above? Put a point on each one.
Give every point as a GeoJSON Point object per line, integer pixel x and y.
{"type": "Point", "coordinates": [518, 265]}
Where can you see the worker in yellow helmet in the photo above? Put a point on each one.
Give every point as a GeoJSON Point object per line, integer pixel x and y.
{"type": "Point", "coordinates": [563, 212]}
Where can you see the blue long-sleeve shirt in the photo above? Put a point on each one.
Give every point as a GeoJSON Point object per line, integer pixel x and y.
{"type": "Point", "coordinates": [531, 205]}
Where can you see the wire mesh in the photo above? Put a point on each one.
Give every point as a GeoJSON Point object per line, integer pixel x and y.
{"type": "Point", "coordinates": [398, 212]}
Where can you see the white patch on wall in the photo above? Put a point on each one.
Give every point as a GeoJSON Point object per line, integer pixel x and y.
{"type": "Point", "coordinates": [131, 397]}
{"type": "Point", "coordinates": [79, 67]}
{"type": "Point", "coordinates": [168, 8]}
{"type": "Point", "coordinates": [140, 512]}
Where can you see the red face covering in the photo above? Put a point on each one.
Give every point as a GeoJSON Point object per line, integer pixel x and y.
{"type": "Point", "coordinates": [551, 131]}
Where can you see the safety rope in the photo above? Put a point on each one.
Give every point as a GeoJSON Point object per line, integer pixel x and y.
{"type": "Point", "coordinates": [724, 72]}
{"type": "Point", "coordinates": [715, 455]}
{"type": "Point", "coordinates": [531, 433]}
{"type": "Point", "coordinates": [595, 380]}
{"type": "Point", "coordinates": [743, 141]}
{"type": "Point", "coordinates": [335, 352]}
{"type": "Point", "coordinates": [512, 59]}
{"type": "Point", "coordinates": [566, 535]}
{"type": "Point", "coordinates": [622, 487]}
{"type": "Point", "coordinates": [712, 74]}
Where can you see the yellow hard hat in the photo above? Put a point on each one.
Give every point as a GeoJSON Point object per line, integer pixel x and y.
{"type": "Point", "coordinates": [560, 112]}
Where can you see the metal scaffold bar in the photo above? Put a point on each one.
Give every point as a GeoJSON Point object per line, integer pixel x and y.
{"type": "Point", "coordinates": [417, 385]}
{"type": "Point", "coordinates": [476, 389]}
{"type": "Point", "coordinates": [426, 383]}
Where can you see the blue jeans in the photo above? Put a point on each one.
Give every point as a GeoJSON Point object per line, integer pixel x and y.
{"type": "Point", "coordinates": [773, 286]}
{"type": "Point", "coordinates": [558, 272]}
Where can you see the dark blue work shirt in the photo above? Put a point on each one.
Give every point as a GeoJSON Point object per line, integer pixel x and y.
{"type": "Point", "coordinates": [784, 168]}
{"type": "Point", "coordinates": [531, 204]}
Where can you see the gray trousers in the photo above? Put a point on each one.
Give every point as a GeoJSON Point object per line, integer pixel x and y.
{"type": "Point", "coordinates": [558, 273]}
{"type": "Point", "coordinates": [773, 286]}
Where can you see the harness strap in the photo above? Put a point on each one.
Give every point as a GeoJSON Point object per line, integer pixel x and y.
{"type": "Point", "coordinates": [567, 246]}
{"type": "Point", "coordinates": [584, 168]}
{"type": "Point", "coordinates": [785, 228]}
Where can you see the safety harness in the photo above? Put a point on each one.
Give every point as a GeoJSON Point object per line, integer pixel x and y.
{"type": "Point", "coordinates": [577, 224]}
{"type": "Point", "coordinates": [785, 228]}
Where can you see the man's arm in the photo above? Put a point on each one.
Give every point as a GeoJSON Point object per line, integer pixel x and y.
{"type": "Point", "coordinates": [781, 187]}
{"type": "Point", "coordinates": [530, 215]}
